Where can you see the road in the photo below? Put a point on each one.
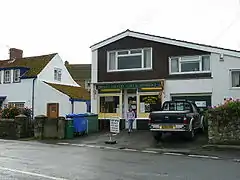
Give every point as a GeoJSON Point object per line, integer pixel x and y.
{"type": "Point", "coordinates": [35, 161]}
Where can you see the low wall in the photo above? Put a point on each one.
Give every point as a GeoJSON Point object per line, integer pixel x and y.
{"type": "Point", "coordinates": [224, 132]}
{"type": "Point", "coordinates": [14, 128]}
{"type": "Point", "coordinates": [45, 128]}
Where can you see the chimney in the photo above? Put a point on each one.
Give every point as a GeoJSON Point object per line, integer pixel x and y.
{"type": "Point", "coordinates": [66, 63]}
{"type": "Point", "coordinates": [15, 53]}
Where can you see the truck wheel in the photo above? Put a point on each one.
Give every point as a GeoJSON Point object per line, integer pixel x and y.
{"type": "Point", "coordinates": [157, 136]}
{"type": "Point", "coordinates": [191, 134]}
{"type": "Point", "coordinates": [202, 128]}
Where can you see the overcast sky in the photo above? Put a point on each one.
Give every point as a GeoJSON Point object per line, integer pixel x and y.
{"type": "Point", "coordinates": [69, 27]}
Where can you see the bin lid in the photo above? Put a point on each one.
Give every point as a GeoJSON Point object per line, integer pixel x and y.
{"type": "Point", "coordinates": [91, 114]}
{"type": "Point", "coordinates": [75, 115]}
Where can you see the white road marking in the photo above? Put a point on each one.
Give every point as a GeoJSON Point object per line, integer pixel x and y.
{"type": "Point", "coordinates": [203, 156]}
{"type": "Point", "coordinates": [63, 143]}
{"type": "Point", "coordinates": [236, 160]}
{"type": "Point", "coordinates": [80, 145]}
{"type": "Point", "coordinates": [32, 174]}
{"type": "Point", "coordinates": [106, 147]}
{"type": "Point", "coordinates": [154, 152]}
{"type": "Point", "coordinates": [175, 154]}
{"type": "Point", "coordinates": [134, 150]}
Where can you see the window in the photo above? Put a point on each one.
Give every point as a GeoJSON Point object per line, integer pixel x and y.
{"type": "Point", "coordinates": [134, 59]}
{"type": "Point", "coordinates": [7, 76]}
{"type": "Point", "coordinates": [57, 74]}
{"type": "Point", "coordinates": [235, 74]}
{"type": "Point", "coordinates": [16, 75]}
{"type": "Point", "coordinates": [149, 103]}
{"type": "Point", "coordinates": [176, 106]}
{"type": "Point", "coordinates": [16, 104]}
{"type": "Point", "coordinates": [190, 64]}
{"type": "Point", "coordinates": [0, 77]}
{"type": "Point", "coordinates": [109, 104]}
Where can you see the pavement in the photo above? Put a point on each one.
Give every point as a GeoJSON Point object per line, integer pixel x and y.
{"type": "Point", "coordinates": [142, 141]}
{"type": "Point", "coordinates": [25, 160]}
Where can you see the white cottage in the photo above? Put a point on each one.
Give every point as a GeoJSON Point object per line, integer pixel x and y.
{"type": "Point", "coordinates": [42, 83]}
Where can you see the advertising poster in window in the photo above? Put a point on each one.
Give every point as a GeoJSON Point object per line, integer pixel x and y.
{"type": "Point", "coordinates": [149, 103]}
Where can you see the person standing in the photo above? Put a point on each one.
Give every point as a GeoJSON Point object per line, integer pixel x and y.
{"type": "Point", "coordinates": [130, 118]}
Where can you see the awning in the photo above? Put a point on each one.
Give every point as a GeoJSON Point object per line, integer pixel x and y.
{"type": "Point", "coordinates": [2, 98]}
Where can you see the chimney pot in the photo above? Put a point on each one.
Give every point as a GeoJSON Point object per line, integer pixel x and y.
{"type": "Point", "coordinates": [66, 63]}
{"type": "Point", "coordinates": [15, 53]}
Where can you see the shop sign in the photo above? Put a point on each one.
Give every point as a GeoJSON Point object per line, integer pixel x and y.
{"type": "Point", "coordinates": [201, 103]}
{"type": "Point", "coordinates": [129, 85]}
{"type": "Point", "coordinates": [115, 126]}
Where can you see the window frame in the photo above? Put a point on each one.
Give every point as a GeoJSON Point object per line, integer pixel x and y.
{"type": "Point", "coordinates": [59, 74]}
{"type": "Point", "coordinates": [231, 80]}
{"type": "Point", "coordinates": [19, 79]}
{"type": "Point", "coordinates": [127, 55]}
{"type": "Point", "coordinates": [14, 104]}
{"type": "Point", "coordinates": [4, 79]}
{"type": "Point", "coordinates": [200, 60]}
{"type": "Point", "coordinates": [1, 76]}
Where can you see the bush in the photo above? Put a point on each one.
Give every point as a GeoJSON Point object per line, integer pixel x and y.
{"type": "Point", "coordinates": [229, 111]}
{"type": "Point", "coordinates": [12, 112]}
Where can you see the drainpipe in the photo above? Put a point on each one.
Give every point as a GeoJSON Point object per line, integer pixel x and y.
{"type": "Point", "coordinates": [72, 102]}
{"type": "Point", "coordinates": [33, 92]}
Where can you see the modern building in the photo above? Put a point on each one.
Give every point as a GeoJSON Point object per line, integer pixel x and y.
{"type": "Point", "coordinates": [142, 71]}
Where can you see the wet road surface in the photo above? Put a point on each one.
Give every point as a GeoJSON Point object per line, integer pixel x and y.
{"type": "Point", "coordinates": [35, 161]}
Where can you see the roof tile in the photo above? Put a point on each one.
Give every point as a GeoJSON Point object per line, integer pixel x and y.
{"type": "Point", "coordinates": [72, 91]}
{"type": "Point", "coordinates": [35, 63]}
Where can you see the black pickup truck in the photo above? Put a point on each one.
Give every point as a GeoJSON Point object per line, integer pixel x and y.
{"type": "Point", "coordinates": [176, 117]}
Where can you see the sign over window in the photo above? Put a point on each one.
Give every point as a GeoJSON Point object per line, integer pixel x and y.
{"type": "Point", "coordinates": [130, 85]}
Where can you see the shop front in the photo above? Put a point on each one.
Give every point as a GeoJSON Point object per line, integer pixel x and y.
{"type": "Point", "coordinates": [115, 99]}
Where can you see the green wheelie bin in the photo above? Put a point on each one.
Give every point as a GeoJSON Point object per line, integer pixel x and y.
{"type": "Point", "coordinates": [92, 122]}
{"type": "Point", "coordinates": [69, 128]}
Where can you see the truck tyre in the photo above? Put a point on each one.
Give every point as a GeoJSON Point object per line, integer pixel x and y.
{"type": "Point", "coordinates": [190, 135]}
{"type": "Point", "coordinates": [202, 128]}
{"type": "Point", "coordinates": [157, 136]}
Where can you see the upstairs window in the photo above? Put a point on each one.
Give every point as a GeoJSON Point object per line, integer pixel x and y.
{"type": "Point", "coordinates": [16, 75]}
{"type": "Point", "coordinates": [57, 74]}
{"type": "Point", "coordinates": [235, 74]}
{"type": "Point", "coordinates": [7, 76]}
{"type": "Point", "coordinates": [189, 64]}
{"type": "Point", "coordinates": [134, 59]}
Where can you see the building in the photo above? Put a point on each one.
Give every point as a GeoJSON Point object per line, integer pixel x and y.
{"type": "Point", "coordinates": [81, 73]}
{"type": "Point", "coordinates": [42, 83]}
{"type": "Point", "coordinates": [144, 70]}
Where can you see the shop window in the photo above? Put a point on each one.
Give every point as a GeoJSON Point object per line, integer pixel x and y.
{"type": "Point", "coordinates": [149, 103]}
{"type": "Point", "coordinates": [109, 104]}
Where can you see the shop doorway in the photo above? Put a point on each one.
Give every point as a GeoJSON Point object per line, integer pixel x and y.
{"type": "Point", "coordinates": [130, 100]}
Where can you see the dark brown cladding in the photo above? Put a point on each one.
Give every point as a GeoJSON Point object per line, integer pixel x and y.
{"type": "Point", "coordinates": [160, 54]}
